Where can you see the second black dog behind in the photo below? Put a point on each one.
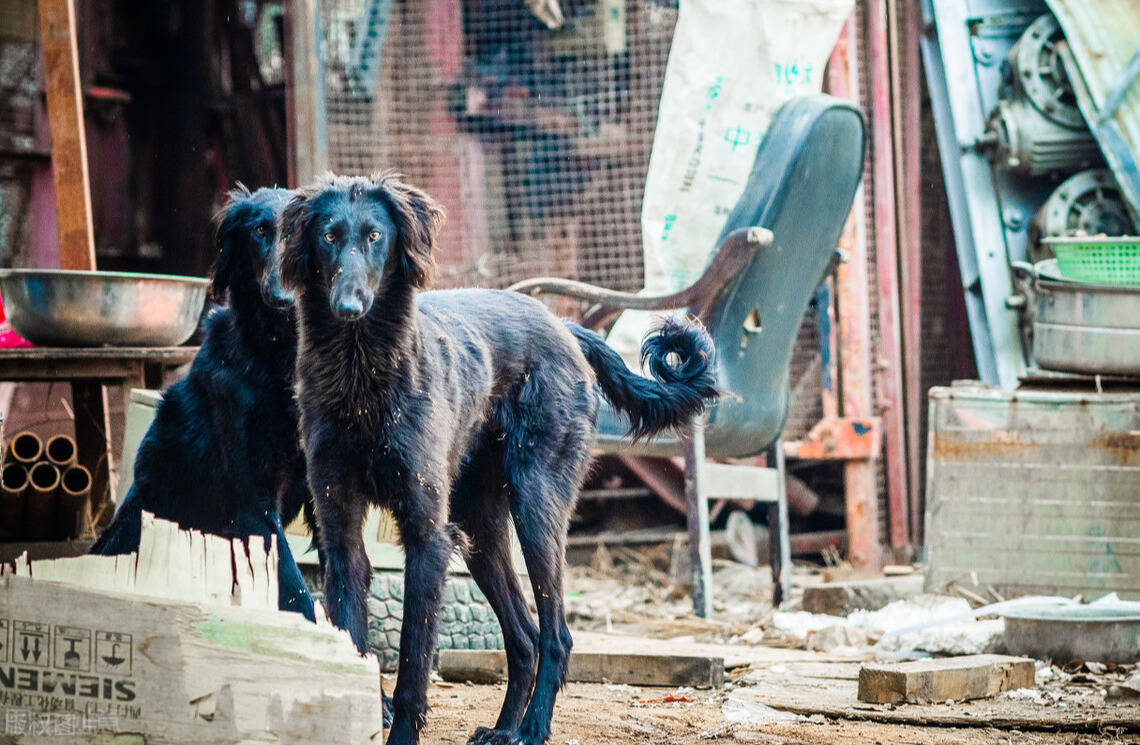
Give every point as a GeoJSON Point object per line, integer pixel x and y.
{"type": "Point", "coordinates": [222, 455]}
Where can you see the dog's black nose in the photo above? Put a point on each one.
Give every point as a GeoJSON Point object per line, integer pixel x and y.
{"type": "Point", "coordinates": [281, 299]}
{"type": "Point", "coordinates": [351, 307]}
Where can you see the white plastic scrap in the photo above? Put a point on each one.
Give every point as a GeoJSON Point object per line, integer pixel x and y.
{"type": "Point", "coordinates": [740, 709]}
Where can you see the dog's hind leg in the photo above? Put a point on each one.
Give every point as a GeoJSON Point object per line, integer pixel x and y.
{"type": "Point", "coordinates": [548, 427]}
{"type": "Point", "coordinates": [542, 509]}
{"type": "Point", "coordinates": [487, 527]}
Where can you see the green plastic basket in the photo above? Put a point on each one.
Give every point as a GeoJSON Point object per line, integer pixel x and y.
{"type": "Point", "coordinates": [1110, 261]}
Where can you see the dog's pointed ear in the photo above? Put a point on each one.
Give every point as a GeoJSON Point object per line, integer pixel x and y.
{"type": "Point", "coordinates": [225, 224]}
{"type": "Point", "coordinates": [292, 247]}
{"type": "Point", "coordinates": [419, 218]}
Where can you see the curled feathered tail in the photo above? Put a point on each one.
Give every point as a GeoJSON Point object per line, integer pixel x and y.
{"type": "Point", "coordinates": [676, 392]}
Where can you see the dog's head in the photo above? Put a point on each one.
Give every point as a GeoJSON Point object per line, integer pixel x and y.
{"type": "Point", "coordinates": [344, 238]}
{"type": "Point", "coordinates": [245, 232]}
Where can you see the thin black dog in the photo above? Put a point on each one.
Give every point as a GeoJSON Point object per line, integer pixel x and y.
{"type": "Point", "coordinates": [460, 411]}
{"type": "Point", "coordinates": [222, 454]}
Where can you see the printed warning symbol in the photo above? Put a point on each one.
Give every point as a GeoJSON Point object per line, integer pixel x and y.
{"type": "Point", "coordinates": [112, 653]}
{"type": "Point", "coordinates": [73, 648]}
{"type": "Point", "coordinates": [3, 639]}
{"type": "Point", "coordinates": [31, 643]}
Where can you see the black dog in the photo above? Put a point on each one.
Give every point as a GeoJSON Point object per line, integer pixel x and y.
{"type": "Point", "coordinates": [460, 411]}
{"type": "Point", "coordinates": [222, 455]}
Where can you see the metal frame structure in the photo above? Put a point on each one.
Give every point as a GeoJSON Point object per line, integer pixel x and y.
{"type": "Point", "coordinates": [962, 50]}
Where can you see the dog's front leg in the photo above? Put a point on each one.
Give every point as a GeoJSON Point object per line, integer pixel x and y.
{"type": "Point", "coordinates": [340, 520]}
{"type": "Point", "coordinates": [427, 549]}
{"type": "Point", "coordinates": [347, 567]}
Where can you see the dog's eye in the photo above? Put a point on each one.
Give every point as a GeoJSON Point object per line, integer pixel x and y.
{"type": "Point", "coordinates": [374, 236]}
{"type": "Point", "coordinates": [330, 237]}
{"type": "Point", "coordinates": [260, 230]}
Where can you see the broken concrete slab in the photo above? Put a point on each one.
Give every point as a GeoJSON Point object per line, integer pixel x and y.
{"type": "Point", "coordinates": [947, 679]}
{"type": "Point", "coordinates": [842, 598]}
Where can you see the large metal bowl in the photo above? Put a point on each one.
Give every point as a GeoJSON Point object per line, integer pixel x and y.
{"type": "Point", "coordinates": [1088, 632]}
{"type": "Point", "coordinates": [57, 307]}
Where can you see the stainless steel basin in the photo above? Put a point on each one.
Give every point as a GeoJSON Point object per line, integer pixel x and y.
{"type": "Point", "coordinates": [1083, 327]}
{"type": "Point", "coordinates": [57, 307]}
{"type": "Point", "coordinates": [1088, 632]}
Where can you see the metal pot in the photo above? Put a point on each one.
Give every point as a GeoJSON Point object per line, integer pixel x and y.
{"type": "Point", "coordinates": [1083, 327]}
{"type": "Point", "coordinates": [67, 308]}
{"type": "Point", "coordinates": [1083, 632]}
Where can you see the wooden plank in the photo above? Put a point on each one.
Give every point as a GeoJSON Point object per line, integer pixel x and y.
{"type": "Point", "coordinates": [940, 680]}
{"type": "Point", "coordinates": [169, 355]}
{"type": "Point", "coordinates": [829, 689]}
{"type": "Point", "coordinates": [306, 119]}
{"type": "Point", "coordinates": [68, 140]}
{"type": "Point", "coordinates": [489, 666]}
{"type": "Point", "coordinates": [750, 483]}
{"type": "Point", "coordinates": [839, 438]}
{"type": "Point", "coordinates": [107, 363]}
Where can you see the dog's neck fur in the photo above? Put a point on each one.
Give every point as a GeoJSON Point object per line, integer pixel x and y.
{"type": "Point", "coordinates": [352, 367]}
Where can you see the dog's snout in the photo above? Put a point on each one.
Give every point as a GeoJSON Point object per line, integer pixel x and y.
{"type": "Point", "coordinates": [351, 307]}
{"type": "Point", "coordinates": [280, 297]}
{"type": "Point", "coordinates": [353, 304]}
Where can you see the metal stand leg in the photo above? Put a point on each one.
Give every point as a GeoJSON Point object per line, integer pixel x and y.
{"type": "Point", "coordinates": [779, 541]}
{"type": "Point", "coordinates": [93, 440]}
{"type": "Point", "coordinates": [697, 510]}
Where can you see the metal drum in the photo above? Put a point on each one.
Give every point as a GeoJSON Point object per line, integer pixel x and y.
{"type": "Point", "coordinates": [1082, 327]}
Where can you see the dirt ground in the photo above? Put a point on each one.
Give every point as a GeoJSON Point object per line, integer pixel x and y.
{"type": "Point", "coordinates": [589, 714]}
{"type": "Point", "coordinates": [636, 600]}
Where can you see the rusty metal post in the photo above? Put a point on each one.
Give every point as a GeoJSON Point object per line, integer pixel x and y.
{"type": "Point", "coordinates": [697, 513]}
{"type": "Point", "coordinates": [890, 364]}
{"type": "Point", "coordinates": [852, 297]}
{"type": "Point", "coordinates": [906, 25]}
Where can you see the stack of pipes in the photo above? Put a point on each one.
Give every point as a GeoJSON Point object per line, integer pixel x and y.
{"type": "Point", "coordinates": [44, 493]}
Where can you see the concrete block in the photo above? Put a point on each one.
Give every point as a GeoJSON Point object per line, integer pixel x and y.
{"type": "Point", "coordinates": [841, 598]}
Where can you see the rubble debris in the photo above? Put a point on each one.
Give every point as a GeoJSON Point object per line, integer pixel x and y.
{"type": "Point", "coordinates": [837, 639]}
{"type": "Point", "coordinates": [742, 708]}
{"type": "Point", "coordinates": [947, 679]}
{"type": "Point", "coordinates": [842, 598]}
{"type": "Point", "coordinates": [963, 638]}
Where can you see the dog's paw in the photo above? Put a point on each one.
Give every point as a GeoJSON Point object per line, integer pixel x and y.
{"type": "Point", "coordinates": [389, 711]}
{"type": "Point", "coordinates": [488, 736]}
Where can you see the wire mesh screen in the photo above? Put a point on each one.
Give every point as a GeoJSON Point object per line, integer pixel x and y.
{"type": "Point", "coordinates": [536, 141]}
{"type": "Point", "coordinates": [19, 85]}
